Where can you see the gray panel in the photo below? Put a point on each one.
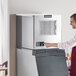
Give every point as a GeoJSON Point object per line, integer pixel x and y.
{"type": "Point", "coordinates": [18, 31]}
{"type": "Point", "coordinates": [51, 62]}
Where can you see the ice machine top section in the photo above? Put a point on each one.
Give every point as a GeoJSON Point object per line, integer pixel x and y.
{"type": "Point", "coordinates": [32, 30]}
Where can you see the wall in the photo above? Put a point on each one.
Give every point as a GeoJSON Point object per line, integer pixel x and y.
{"type": "Point", "coordinates": [4, 32]}
{"type": "Point", "coordinates": [63, 7]}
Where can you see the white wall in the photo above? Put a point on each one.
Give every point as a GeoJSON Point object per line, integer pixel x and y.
{"type": "Point", "coordinates": [63, 7]}
{"type": "Point", "coordinates": [4, 32]}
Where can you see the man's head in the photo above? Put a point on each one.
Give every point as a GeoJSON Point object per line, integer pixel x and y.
{"type": "Point", "coordinates": [73, 21]}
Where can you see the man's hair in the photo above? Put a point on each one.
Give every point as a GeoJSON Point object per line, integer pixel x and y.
{"type": "Point", "coordinates": [73, 16]}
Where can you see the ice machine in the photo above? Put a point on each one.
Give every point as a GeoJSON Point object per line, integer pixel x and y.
{"type": "Point", "coordinates": [32, 57]}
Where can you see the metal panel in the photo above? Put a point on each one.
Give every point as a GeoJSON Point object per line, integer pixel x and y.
{"type": "Point", "coordinates": [26, 63]}
{"type": "Point", "coordinates": [27, 31]}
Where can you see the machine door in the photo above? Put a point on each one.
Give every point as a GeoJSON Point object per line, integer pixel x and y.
{"type": "Point", "coordinates": [47, 29]}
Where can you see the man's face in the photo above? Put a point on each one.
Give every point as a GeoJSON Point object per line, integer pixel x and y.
{"type": "Point", "coordinates": [73, 23]}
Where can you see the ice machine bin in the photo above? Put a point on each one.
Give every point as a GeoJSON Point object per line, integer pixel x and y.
{"type": "Point", "coordinates": [51, 62]}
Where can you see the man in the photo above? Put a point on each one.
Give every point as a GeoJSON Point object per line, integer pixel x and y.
{"type": "Point", "coordinates": [67, 44]}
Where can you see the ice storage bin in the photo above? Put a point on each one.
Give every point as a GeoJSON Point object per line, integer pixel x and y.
{"type": "Point", "coordinates": [51, 62]}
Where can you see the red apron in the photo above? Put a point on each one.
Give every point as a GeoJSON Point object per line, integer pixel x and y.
{"type": "Point", "coordinates": [73, 62]}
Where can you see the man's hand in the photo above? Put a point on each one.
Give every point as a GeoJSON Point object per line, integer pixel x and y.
{"type": "Point", "coordinates": [50, 44]}
{"type": "Point", "coordinates": [47, 44]}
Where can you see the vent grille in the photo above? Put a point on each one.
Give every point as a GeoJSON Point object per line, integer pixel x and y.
{"type": "Point", "coordinates": [48, 27]}
{"type": "Point", "coordinates": [47, 16]}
